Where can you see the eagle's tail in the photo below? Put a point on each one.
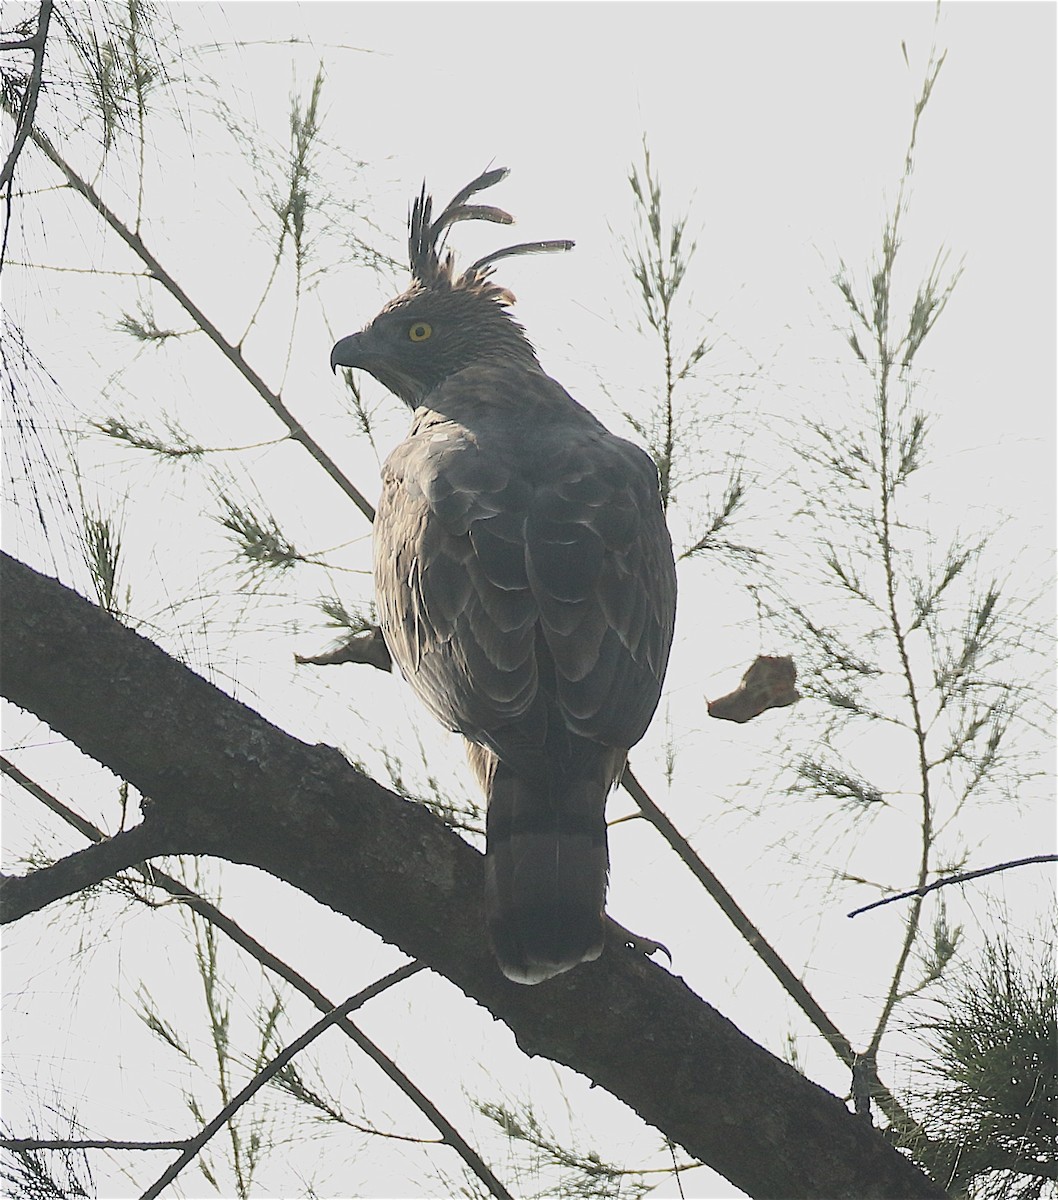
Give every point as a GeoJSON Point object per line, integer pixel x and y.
{"type": "Point", "coordinates": [546, 864]}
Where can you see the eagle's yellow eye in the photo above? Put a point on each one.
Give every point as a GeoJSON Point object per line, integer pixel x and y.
{"type": "Point", "coordinates": [420, 331]}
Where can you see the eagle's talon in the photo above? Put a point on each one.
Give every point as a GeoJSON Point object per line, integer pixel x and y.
{"type": "Point", "coordinates": [638, 943]}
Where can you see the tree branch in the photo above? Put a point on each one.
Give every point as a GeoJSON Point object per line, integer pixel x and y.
{"type": "Point", "coordinates": [794, 988]}
{"type": "Point", "coordinates": [227, 783]}
{"type": "Point", "coordinates": [450, 1136]}
{"type": "Point", "coordinates": [89, 830]}
{"type": "Point", "coordinates": [894, 1111]}
{"type": "Point", "coordinates": [268, 1072]}
{"type": "Point", "coordinates": [18, 1145]}
{"type": "Point", "coordinates": [232, 352]}
{"type": "Point", "coordinates": [961, 878]}
{"type": "Point", "coordinates": [24, 894]}
{"type": "Point", "coordinates": [28, 107]}
{"type": "Point", "coordinates": [888, 482]}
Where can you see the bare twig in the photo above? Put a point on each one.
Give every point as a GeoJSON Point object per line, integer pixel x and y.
{"type": "Point", "coordinates": [960, 878]}
{"type": "Point", "coordinates": [82, 826]}
{"type": "Point", "coordinates": [768, 955]}
{"type": "Point", "coordinates": [20, 1144]}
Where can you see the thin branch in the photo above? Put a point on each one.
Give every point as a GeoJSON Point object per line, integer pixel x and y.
{"type": "Point", "coordinates": [887, 487]}
{"type": "Point", "coordinates": [82, 826]}
{"type": "Point", "coordinates": [794, 988]}
{"type": "Point", "coordinates": [768, 955]}
{"type": "Point", "coordinates": [450, 1136]}
{"type": "Point", "coordinates": [196, 1143]}
{"type": "Point", "coordinates": [232, 352]}
{"type": "Point", "coordinates": [961, 878]}
{"type": "Point", "coordinates": [900, 639]}
{"type": "Point", "coordinates": [22, 1144]}
{"type": "Point", "coordinates": [28, 107]}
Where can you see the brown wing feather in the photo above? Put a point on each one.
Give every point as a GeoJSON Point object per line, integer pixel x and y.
{"type": "Point", "coordinates": [460, 623]}
{"type": "Point", "coordinates": [484, 533]}
{"type": "Point", "coordinates": [600, 565]}
{"type": "Point", "coordinates": [526, 589]}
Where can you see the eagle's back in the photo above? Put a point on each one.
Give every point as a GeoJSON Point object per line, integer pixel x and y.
{"type": "Point", "coordinates": [526, 588]}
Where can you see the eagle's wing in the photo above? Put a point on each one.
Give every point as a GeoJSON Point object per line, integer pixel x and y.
{"type": "Point", "coordinates": [494, 534]}
{"type": "Point", "coordinates": [526, 588]}
{"type": "Point", "coordinates": [459, 623]}
{"type": "Point", "coordinates": [600, 568]}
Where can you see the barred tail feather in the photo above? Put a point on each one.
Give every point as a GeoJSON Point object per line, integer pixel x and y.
{"type": "Point", "coordinates": [545, 870]}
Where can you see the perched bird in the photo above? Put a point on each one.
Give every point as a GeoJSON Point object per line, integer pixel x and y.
{"type": "Point", "coordinates": [524, 580]}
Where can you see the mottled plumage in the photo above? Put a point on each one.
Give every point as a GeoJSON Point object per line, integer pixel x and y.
{"type": "Point", "coordinates": [525, 584]}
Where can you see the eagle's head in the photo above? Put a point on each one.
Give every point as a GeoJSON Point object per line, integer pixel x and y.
{"type": "Point", "coordinates": [443, 322]}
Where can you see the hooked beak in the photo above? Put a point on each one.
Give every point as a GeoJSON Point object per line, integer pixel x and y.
{"type": "Point", "coordinates": [363, 350]}
{"type": "Point", "coordinates": [348, 352]}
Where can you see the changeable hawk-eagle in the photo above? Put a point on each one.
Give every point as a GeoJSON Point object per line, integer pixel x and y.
{"type": "Point", "coordinates": [524, 580]}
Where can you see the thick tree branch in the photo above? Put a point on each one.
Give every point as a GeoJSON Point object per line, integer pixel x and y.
{"type": "Point", "coordinates": [24, 894]}
{"type": "Point", "coordinates": [450, 1136]}
{"type": "Point", "coordinates": [224, 782]}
